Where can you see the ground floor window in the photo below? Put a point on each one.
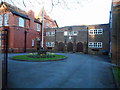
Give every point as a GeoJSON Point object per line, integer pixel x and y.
{"type": "Point", "coordinates": [50, 44]}
{"type": "Point", "coordinates": [33, 42]}
{"type": "Point", "coordinates": [95, 44]}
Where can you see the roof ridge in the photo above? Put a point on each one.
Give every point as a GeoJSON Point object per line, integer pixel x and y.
{"type": "Point", "coordinates": [14, 8]}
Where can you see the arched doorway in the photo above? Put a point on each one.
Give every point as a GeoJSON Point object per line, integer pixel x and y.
{"type": "Point", "coordinates": [69, 47]}
{"type": "Point", "coordinates": [79, 47]}
{"type": "Point", "coordinates": [56, 46]}
{"type": "Point", "coordinates": [61, 46]}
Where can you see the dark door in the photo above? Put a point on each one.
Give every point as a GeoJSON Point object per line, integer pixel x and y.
{"type": "Point", "coordinates": [69, 47]}
{"type": "Point", "coordinates": [79, 47]}
{"type": "Point", "coordinates": [61, 46]}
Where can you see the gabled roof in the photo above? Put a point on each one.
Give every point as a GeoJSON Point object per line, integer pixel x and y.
{"type": "Point", "coordinates": [37, 21]}
{"type": "Point", "coordinates": [15, 10]}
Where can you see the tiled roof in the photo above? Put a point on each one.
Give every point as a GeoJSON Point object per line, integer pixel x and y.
{"type": "Point", "coordinates": [15, 10]}
{"type": "Point", "coordinates": [37, 21]}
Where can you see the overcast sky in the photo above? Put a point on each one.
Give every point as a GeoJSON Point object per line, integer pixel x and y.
{"type": "Point", "coordinates": [73, 12]}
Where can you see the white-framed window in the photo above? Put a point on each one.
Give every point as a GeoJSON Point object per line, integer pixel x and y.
{"type": "Point", "coordinates": [75, 33]}
{"type": "Point", "coordinates": [50, 44]}
{"type": "Point", "coordinates": [21, 22]}
{"type": "Point", "coordinates": [0, 39]}
{"type": "Point", "coordinates": [6, 17]}
{"type": "Point", "coordinates": [1, 20]}
{"type": "Point", "coordinates": [95, 44]}
{"type": "Point", "coordinates": [95, 31]}
{"type": "Point", "coordinates": [47, 33]}
{"type": "Point", "coordinates": [65, 33]}
{"type": "Point", "coordinates": [70, 33]}
{"type": "Point", "coordinates": [33, 42]}
{"type": "Point", "coordinates": [52, 33]}
{"type": "Point", "coordinates": [47, 25]}
{"type": "Point", "coordinates": [38, 27]}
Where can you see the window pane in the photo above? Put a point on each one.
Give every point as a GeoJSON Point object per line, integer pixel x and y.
{"type": "Point", "coordinates": [47, 25]}
{"type": "Point", "coordinates": [32, 42]}
{"type": "Point", "coordinates": [0, 20]}
{"type": "Point", "coordinates": [95, 44]}
{"type": "Point", "coordinates": [6, 19]}
{"type": "Point", "coordinates": [38, 27]}
{"type": "Point", "coordinates": [65, 33]}
{"type": "Point", "coordinates": [21, 22]}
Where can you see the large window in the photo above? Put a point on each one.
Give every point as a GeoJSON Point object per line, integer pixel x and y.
{"type": "Point", "coordinates": [6, 17]}
{"type": "Point", "coordinates": [50, 44]}
{"type": "Point", "coordinates": [47, 33]}
{"type": "Point", "coordinates": [0, 39]}
{"type": "Point", "coordinates": [95, 31]}
{"type": "Point", "coordinates": [33, 42]}
{"type": "Point", "coordinates": [21, 22]}
{"type": "Point", "coordinates": [0, 20]}
{"type": "Point", "coordinates": [75, 33]}
{"type": "Point", "coordinates": [95, 45]}
{"type": "Point", "coordinates": [65, 33]}
{"type": "Point", "coordinates": [47, 25]}
{"type": "Point", "coordinates": [38, 27]}
{"type": "Point", "coordinates": [70, 33]}
{"type": "Point", "coordinates": [50, 33]}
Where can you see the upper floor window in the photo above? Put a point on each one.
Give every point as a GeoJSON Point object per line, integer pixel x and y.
{"type": "Point", "coordinates": [21, 22]}
{"type": "Point", "coordinates": [6, 17]}
{"type": "Point", "coordinates": [50, 33]}
{"type": "Point", "coordinates": [47, 25]}
{"type": "Point", "coordinates": [0, 20]}
{"type": "Point", "coordinates": [47, 33]}
{"type": "Point", "coordinates": [75, 33]}
{"type": "Point", "coordinates": [65, 33]}
{"type": "Point", "coordinates": [70, 33]}
{"type": "Point", "coordinates": [95, 44]}
{"type": "Point", "coordinates": [95, 31]}
{"type": "Point", "coordinates": [38, 27]}
{"type": "Point", "coordinates": [0, 39]}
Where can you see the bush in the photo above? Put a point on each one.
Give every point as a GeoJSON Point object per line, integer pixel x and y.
{"type": "Point", "coordinates": [47, 55]}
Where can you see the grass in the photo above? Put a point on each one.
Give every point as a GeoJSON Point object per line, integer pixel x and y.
{"type": "Point", "coordinates": [117, 71]}
{"type": "Point", "coordinates": [28, 58]}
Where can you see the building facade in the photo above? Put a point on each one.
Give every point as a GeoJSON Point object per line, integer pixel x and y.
{"type": "Point", "coordinates": [93, 39]}
{"type": "Point", "coordinates": [22, 28]}
{"type": "Point", "coordinates": [115, 31]}
{"type": "Point", "coordinates": [47, 22]}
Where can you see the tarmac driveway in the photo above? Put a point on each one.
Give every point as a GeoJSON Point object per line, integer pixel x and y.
{"type": "Point", "coordinates": [77, 71]}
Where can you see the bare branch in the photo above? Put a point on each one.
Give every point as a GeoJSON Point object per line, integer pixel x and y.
{"type": "Point", "coordinates": [24, 3]}
{"type": "Point", "coordinates": [38, 2]}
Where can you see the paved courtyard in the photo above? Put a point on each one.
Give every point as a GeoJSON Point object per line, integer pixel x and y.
{"type": "Point", "coordinates": [77, 71]}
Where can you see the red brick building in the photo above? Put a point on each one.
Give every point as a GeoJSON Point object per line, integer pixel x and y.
{"type": "Point", "coordinates": [115, 32]}
{"type": "Point", "coordinates": [24, 30]}
{"type": "Point", "coordinates": [92, 39]}
{"type": "Point", "coordinates": [48, 23]}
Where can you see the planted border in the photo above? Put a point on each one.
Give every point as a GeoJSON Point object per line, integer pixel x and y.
{"type": "Point", "coordinates": [28, 58]}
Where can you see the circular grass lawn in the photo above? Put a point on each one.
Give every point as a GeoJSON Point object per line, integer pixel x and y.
{"type": "Point", "coordinates": [29, 58]}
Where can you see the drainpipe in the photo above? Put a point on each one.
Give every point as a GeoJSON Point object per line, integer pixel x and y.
{"type": "Point", "coordinates": [55, 40]}
{"type": "Point", "coordinates": [87, 42]}
{"type": "Point", "coordinates": [25, 41]}
{"type": "Point", "coordinates": [5, 63]}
